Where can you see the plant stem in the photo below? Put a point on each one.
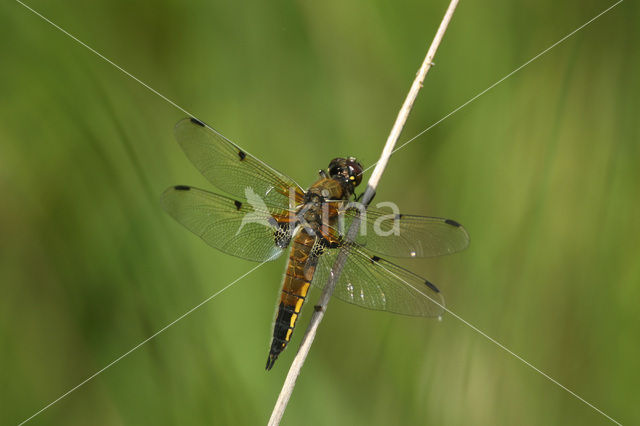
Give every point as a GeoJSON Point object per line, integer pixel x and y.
{"type": "Point", "coordinates": [320, 308]}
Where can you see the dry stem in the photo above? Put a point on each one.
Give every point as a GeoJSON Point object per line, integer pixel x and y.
{"type": "Point", "coordinates": [318, 314]}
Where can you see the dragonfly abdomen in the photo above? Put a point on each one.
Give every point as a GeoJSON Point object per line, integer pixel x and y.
{"type": "Point", "coordinates": [295, 287]}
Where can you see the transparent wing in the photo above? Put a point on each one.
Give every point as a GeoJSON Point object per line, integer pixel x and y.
{"type": "Point", "coordinates": [239, 228]}
{"type": "Point", "coordinates": [403, 235]}
{"type": "Point", "coordinates": [374, 283]}
{"type": "Point", "coordinates": [232, 169]}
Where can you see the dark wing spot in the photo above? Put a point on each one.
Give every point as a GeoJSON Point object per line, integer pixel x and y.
{"type": "Point", "coordinates": [282, 233]}
{"type": "Point", "coordinates": [317, 251]}
{"type": "Point", "coordinates": [242, 155]}
{"type": "Point", "coordinates": [324, 242]}
{"type": "Point", "coordinates": [317, 308]}
{"type": "Point", "coordinates": [452, 223]}
{"type": "Point", "coordinates": [181, 188]}
{"type": "Point", "coordinates": [196, 121]}
{"type": "Point", "coordinates": [282, 239]}
{"type": "Point", "coordinates": [399, 216]}
{"type": "Point", "coordinates": [374, 259]}
{"type": "Point", "coordinates": [238, 204]}
{"type": "Point", "coordinates": [431, 286]}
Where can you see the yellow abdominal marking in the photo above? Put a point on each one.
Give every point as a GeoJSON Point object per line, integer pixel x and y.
{"type": "Point", "coordinates": [288, 336]}
{"type": "Point", "coordinates": [293, 323]}
{"type": "Point", "coordinates": [304, 289]}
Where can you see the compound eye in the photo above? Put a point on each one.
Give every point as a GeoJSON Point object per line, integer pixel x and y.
{"type": "Point", "coordinates": [355, 176]}
{"type": "Point", "coordinates": [355, 172]}
{"type": "Point", "coordinates": [335, 167]}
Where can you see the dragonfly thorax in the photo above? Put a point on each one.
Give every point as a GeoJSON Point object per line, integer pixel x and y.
{"type": "Point", "coordinates": [319, 207]}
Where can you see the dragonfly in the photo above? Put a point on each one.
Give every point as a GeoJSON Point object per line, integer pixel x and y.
{"type": "Point", "coordinates": [267, 213]}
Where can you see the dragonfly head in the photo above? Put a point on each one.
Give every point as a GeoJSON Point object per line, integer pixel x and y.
{"type": "Point", "coordinates": [346, 170]}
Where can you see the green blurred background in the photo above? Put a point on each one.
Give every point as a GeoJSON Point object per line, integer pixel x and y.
{"type": "Point", "coordinates": [543, 171]}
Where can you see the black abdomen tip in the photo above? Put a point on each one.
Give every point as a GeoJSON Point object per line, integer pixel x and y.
{"type": "Point", "coordinates": [196, 121]}
{"type": "Point", "coordinates": [271, 359]}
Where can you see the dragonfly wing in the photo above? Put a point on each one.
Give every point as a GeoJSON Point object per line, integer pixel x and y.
{"type": "Point", "coordinates": [232, 169]}
{"type": "Point", "coordinates": [374, 283]}
{"type": "Point", "coordinates": [247, 230]}
{"type": "Point", "coordinates": [403, 235]}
